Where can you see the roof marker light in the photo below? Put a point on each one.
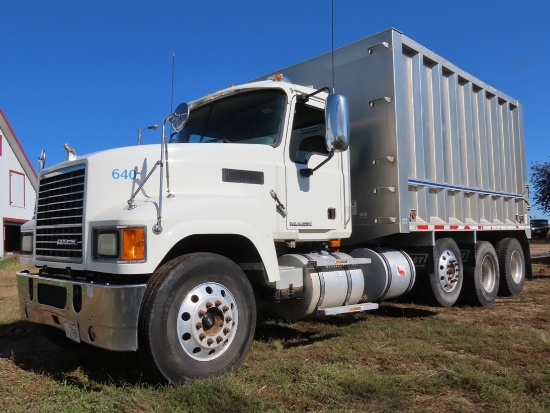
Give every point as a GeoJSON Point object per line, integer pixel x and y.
{"type": "Point", "coordinates": [278, 78]}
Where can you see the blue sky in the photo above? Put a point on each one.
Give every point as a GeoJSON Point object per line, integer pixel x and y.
{"type": "Point", "coordinates": [92, 73]}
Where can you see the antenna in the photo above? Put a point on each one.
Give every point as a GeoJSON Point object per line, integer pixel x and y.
{"type": "Point", "coordinates": [172, 92]}
{"type": "Point", "coordinates": [332, 49]}
{"type": "Point", "coordinates": [170, 195]}
{"type": "Point", "coordinates": [172, 96]}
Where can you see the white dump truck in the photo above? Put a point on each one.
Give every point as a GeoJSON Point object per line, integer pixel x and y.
{"type": "Point", "coordinates": [314, 203]}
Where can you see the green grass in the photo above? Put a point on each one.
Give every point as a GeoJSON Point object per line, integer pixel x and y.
{"type": "Point", "coordinates": [401, 358]}
{"type": "Point", "coordinates": [10, 263]}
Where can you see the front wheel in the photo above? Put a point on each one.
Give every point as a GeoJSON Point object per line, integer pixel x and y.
{"type": "Point", "coordinates": [446, 277]}
{"type": "Point", "coordinates": [197, 318]}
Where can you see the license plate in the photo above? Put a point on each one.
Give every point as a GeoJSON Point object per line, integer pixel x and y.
{"type": "Point", "coordinates": [71, 330]}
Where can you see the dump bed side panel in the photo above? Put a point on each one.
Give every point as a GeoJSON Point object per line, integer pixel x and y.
{"type": "Point", "coordinates": [464, 142]}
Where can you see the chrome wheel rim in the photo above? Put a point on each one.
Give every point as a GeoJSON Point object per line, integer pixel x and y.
{"type": "Point", "coordinates": [488, 274]}
{"type": "Point", "coordinates": [516, 267]}
{"type": "Point", "coordinates": [207, 321]}
{"type": "Point", "coordinates": [448, 271]}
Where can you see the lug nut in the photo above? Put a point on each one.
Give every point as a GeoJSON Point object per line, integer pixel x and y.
{"type": "Point", "coordinates": [228, 319]}
{"type": "Point", "coordinates": [218, 303]}
{"type": "Point", "coordinates": [199, 326]}
{"type": "Point", "coordinates": [208, 304]}
{"type": "Point", "coordinates": [226, 330]}
{"type": "Point", "coordinates": [202, 336]}
{"type": "Point", "coordinates": [202, 313]}
{"type": "Point", "coordinates": [209, 341]}
{"type": "Point", "coordinates": [219, 339]}
{"type": "Point", "coordinates": [225, 308]}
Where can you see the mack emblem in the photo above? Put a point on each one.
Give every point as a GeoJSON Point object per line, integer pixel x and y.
{"type": "Point", "coordinates": [66, 242]}
{"type": "Point", "coordinates": [301, 224]}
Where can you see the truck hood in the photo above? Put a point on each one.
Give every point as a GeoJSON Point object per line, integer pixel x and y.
{"type": "Point", "coordinates": [220, 169]}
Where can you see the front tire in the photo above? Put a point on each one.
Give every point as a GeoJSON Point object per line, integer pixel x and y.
{"type": "Point", "coordinates": [197, 318]}
{"type": "Point", "coordinates": [446, 276]}
{"type": "Point", "coordinates": [512, 266]}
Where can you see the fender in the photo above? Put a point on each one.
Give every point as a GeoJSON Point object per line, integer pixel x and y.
{"type": "Point", "coordinates": [193, 215]}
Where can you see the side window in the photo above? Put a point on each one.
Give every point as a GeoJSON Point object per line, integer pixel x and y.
{"type": "Point", "coordinates": [308, 134]}
{"type": "Point", "coordinates": [17, 189]}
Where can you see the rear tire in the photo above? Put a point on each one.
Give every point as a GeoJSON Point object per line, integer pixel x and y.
{"type": "Point", "coordinates": [446, 276]}
{"type": "Point", "coordinates": [512, 266]}
{"type": "Point", "coordinates": [481, 282]}
{"type": "Point", "coordinates": [197, 318]}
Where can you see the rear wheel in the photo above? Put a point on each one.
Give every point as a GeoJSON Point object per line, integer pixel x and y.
{"type": "Point", "coordinates": [446, 277]}
{"type": "Point", "coordinates": [512, 266]}
{"type": "Point", "coordinates": [482, 281]}
{"type": "Point", "coordinates": [197, 318]}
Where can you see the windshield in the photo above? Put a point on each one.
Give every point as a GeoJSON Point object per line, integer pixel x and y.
{"type": "Point", "coordinates": [250, 117]}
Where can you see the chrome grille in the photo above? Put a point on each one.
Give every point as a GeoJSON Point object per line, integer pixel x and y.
{"type": "Point", "coordinates": [60, 215]}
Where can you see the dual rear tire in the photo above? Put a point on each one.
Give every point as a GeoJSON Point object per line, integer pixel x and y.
{"type": "Point", "coordinates": [482, 281]}
{"type": "Point", "coordinates": [512, 266]}
{"type": "Point", "coordinates": [498, 269]}
{"type": "Point", "coordinates": [446, 277]}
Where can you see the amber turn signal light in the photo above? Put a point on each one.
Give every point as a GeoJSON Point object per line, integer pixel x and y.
{"type": "Point", "coordinates": [133, 244]}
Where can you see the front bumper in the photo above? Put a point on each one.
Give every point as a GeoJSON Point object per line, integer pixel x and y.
{"type": "Point", "coordinates": [106, 315]}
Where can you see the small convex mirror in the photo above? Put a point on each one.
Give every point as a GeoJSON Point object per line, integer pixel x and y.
{"type": "Point", "coordinates": [179, 117]}
{"type": "Point", "coordinates": [41, 160]}
{"type": "Point", "coordinates": [337, 123]}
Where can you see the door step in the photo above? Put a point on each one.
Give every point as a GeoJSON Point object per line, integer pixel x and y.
{"type": "Point", "coordinates": [348, 309]}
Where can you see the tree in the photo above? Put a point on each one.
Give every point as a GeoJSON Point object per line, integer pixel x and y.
{"type": "Point", "coordinates": [540, 178]}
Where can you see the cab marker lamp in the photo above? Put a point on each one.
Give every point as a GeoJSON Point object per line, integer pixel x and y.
{"type": "Point", "coordinates": [133, 244]}
{"type": "Point", "coordinates": [279, 77]}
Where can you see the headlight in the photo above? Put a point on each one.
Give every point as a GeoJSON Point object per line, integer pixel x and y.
{"type": "Point", "coordinates": [26, 243]}
{"type": "Point", "coordinates": [107, 244]}
{"type": "Point", "coordinates": [125, 244]}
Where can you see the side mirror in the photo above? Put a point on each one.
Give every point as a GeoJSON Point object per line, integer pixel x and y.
{"type": "Point", "coordinates": [179, 117]}
{"type": "Point", "coordinates": [337, 123]}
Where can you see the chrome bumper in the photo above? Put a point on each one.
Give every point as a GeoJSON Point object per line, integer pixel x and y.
{"type": "Point", "coordinates": [106, 315]}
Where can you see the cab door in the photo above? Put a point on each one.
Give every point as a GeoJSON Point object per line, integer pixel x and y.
{"type": "Point", "coordinates": [314, 203]}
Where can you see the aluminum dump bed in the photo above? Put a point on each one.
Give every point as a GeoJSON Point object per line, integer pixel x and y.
{"type": "Point", "coordinates": [432, 147]}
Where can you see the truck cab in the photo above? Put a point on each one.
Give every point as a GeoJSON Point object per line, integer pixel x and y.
{"type": "Point", "coordinates": [251, 172]}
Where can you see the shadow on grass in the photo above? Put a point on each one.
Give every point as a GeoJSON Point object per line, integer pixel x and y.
{"type": "Point", "coordinates": [304, 333]}
{"type": "Point", "coordinates": [396, 311]}
{"type": "Point", "coordinates": [25, 345]}
{"type": "Point", "coordinates": [291, 337]}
